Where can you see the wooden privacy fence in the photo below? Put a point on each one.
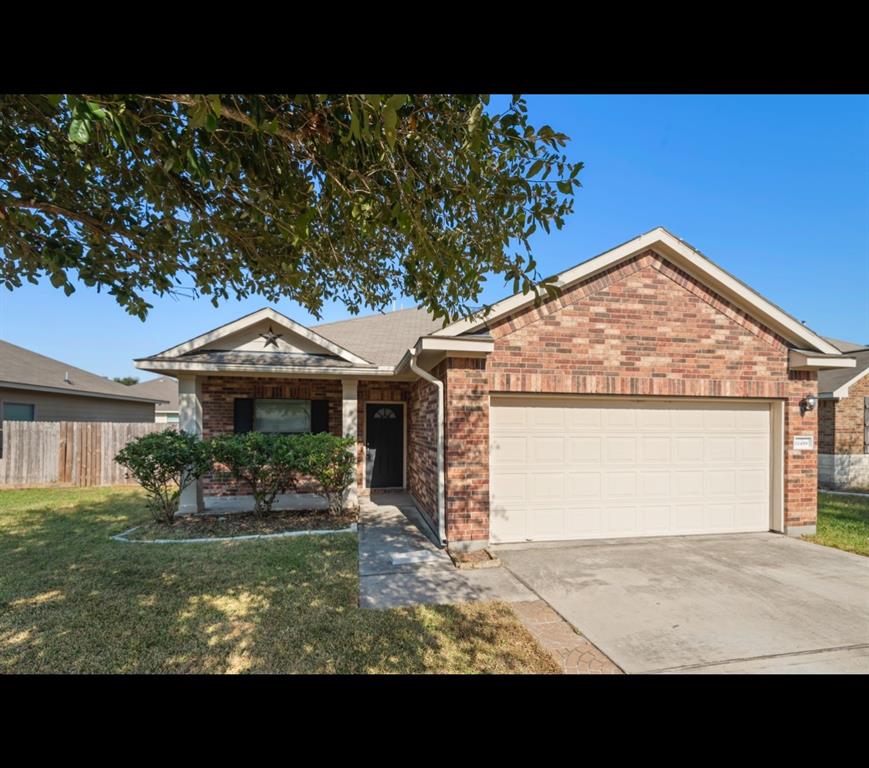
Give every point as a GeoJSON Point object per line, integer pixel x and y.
{"type": "Point", "coordinates": [67, 452]}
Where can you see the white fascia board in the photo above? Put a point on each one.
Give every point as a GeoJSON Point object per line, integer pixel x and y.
{"type": "Point", "coordinates": [461, 344]}
{"type": "Point", "coordinates": [266, 313]}
{"type": "Point", "coordinates": [172, 368]}
{"type": "Point", "coordinates": [805, 360]}
{"type": "Point", "coordinates": [683, 256]}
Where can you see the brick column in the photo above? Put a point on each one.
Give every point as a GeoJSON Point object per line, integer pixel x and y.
{"type": "Point", "coordinates": [467, 453]}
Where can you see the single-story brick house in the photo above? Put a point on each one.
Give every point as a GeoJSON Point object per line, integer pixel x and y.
{"type": "Point", "coordinates": [657, 395]}
{"type": "Point", "coordinates": [843, 421]}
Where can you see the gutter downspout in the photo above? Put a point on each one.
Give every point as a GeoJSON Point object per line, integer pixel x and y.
{"type": "Point", "coordinates": [442, 532]}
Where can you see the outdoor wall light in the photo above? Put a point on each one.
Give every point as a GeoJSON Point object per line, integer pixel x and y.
{"type": "Point", "coordinates": [808, 403]}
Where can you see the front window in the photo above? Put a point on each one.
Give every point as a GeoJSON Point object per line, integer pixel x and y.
{"type": "Point", "coordinates": [282, 416]}
{"type": "Point", "coordinates": [19, 412]}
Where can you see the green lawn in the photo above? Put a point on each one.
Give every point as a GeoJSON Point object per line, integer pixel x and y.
{"type": "Point", "coordinates": [843, 522]}
{"type": "Point", "coordinates": [72, 600]}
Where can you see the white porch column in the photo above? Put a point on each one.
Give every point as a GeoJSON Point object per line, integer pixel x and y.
{"type": "Point", "coordinates": [190, 420]}
{"type": "Point", "coordinates": [349, 428]}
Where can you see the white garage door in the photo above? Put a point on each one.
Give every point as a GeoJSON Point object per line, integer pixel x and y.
{"type": "Point", "coordinates": [591, 468]}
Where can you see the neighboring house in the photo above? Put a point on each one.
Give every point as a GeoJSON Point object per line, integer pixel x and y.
{"type": "Point", "coordinates": [34, 387]}
{"type": "Point", "coordinates": [843, 420]}
{"type": "Point", "coordinates": [166, 390]}
{"type": "Point", "coordinates": [657, 395]}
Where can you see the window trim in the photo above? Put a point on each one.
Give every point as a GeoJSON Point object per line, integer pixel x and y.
{"type": "Point", "coordinates": [257, 400]}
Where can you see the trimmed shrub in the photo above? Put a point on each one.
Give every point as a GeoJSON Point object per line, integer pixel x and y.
{"type": "Point", "coordinates": [330, 461]}
{"type": "Point", "coordinates": [165, 463]}
{"type": "Point", "coordinates": [268, 463]}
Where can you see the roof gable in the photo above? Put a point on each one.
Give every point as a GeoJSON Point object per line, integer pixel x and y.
{"type": "Point", "coordinates": [836, 383]}
{"type": "Point", "coordinates": [245, 335]}
{"type": "Point", "coordinates": [686, 258]}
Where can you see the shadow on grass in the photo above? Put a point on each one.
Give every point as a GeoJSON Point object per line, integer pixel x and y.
{"type": "Point", "coordinates": [72, 600]}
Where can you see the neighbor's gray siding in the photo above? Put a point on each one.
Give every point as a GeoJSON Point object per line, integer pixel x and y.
{"type": "Point", "coordinates": [51, 407]}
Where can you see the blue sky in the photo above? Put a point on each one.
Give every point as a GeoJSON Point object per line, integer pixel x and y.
{"type": "Point", "coordinates": [775, 189]}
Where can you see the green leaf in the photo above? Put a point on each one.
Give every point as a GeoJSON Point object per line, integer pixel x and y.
{"type": "Point", "coordinates": [396, 101]}
{"type": "Point", "coordinates": [354, 125]}
{"type": "Point", "coordinates": [390, 120]}
{"type": "Point", "coordinates": [534, 169]}
{"type": "Point", "coordinates": [79, 131]}
{"type": "Point", "coordinates": [199, 115]}
{"type": "Point", "coordinates": [96, 110]}
{"type": "Point", "coordinates": [53, 98]}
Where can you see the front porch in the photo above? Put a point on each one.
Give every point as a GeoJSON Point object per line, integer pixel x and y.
{"type": "Point", "coordinates": [395, 447]}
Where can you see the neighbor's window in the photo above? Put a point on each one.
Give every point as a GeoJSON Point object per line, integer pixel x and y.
{"type": "Point", "coordinates": [172, 418]}
{"type": "Point", "coordinates": [282, 415]}
{"type": "Point", "coordinates": [19, 412]}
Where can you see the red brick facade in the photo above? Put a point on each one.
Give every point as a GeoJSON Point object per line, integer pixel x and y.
{"type": "Point", "coordinates": [219, 392]}
{"type": "Point", "coordinates": [842, 422]}
{"type": "Point", "coordinates": [642, 328]}
{"type": "Point", "coordinates": [422, 457]}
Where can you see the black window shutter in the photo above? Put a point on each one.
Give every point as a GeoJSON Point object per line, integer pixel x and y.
{"type": "Point", "coordinates": [243, 414]}
{"type": "Point", "coordinates": [319, 416]}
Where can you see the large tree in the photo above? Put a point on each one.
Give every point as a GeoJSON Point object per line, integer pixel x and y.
{"type": "Point", "coordinates": [355, 198]}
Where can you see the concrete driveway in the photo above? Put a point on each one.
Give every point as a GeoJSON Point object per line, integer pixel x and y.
{"type": "Point", "coordinates": [732, 603]}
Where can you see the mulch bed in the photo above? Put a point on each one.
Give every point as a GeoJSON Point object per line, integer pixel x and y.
{"type": "Point", "coordinates": [210, 526]}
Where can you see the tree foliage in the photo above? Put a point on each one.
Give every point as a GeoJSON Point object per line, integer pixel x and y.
{"type": "Point", "coordinates": [127, 381]}
{"type": "Point", "coordinates": [354, 198]}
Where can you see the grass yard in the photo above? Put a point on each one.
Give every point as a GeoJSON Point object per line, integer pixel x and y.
{"type": "Point", "coordinates": [73, 600]}
{"type": "Point", "coordinates": [843, 522]}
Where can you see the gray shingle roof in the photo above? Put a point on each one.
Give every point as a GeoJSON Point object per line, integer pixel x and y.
{"type": "Point", "coordinates": [163, 388]}
{"type": "Point", "coordinates": [845, 346]}
{"type": "Point", "coordinates": [829, 381]}
{"type": "Point", "coordinates": [382, 338]}
{"type": "Point", "coordinates": [21, 366]}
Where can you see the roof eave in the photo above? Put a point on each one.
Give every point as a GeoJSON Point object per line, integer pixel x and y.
{"type": "Point", "coordinates": [180, 366]}
{"type": "Point", "coordinates": [807, 360]}
{"type": "Point", "coordinates": [79, 392]}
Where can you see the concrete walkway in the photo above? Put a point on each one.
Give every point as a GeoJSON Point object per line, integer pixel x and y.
{"type": "Point", "coordinates": [399, 563]}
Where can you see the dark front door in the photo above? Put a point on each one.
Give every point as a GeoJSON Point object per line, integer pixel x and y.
{"type": "Point", "coordinates": [384, 445]}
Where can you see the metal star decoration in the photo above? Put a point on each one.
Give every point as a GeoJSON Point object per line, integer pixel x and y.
{"type": "Point", "coordinates": [271, 338]}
